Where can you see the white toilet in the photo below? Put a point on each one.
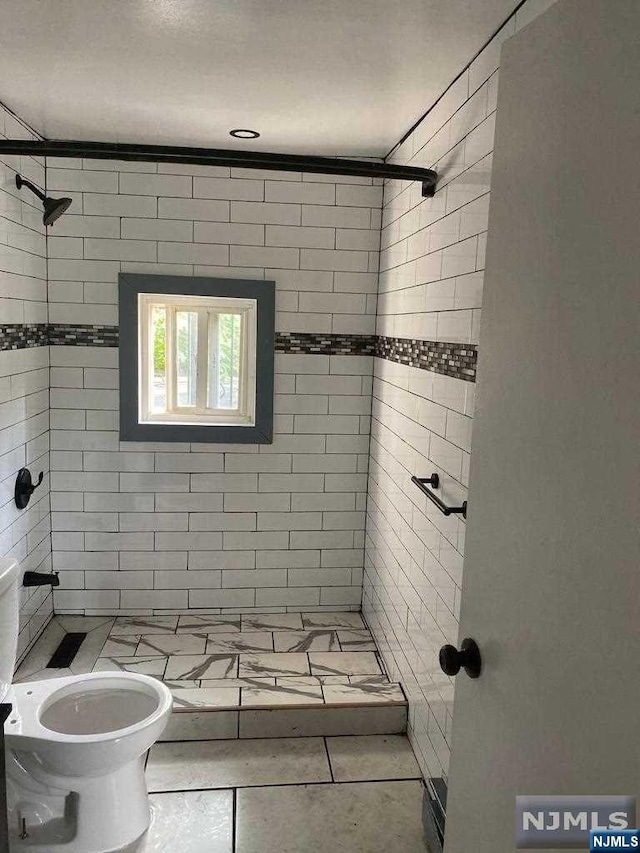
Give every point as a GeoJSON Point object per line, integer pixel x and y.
{"type": "Point", "coordinates": [75, 749]}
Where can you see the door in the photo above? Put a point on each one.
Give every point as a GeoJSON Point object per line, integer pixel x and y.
{"type": "Point", "coordinates": [552, 571]}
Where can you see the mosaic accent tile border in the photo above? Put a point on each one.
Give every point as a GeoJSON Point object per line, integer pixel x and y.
{"type": "Point", "coordinates": [67, 335]}
{"type": "Point", "coordinates": [326, 344]}
{"type": "Point", "coordinates": [27, 335]}
{"type": "Point", "coordinates": [23, 335]}
{"type": "Point", "coordinates": [450, 359]}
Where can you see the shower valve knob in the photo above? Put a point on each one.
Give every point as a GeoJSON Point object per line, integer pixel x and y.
{"type": "Point", "coordinates": [25, 487]}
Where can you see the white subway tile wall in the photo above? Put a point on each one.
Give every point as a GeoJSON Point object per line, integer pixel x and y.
{"type": "Point", "coordinates": [142, 528]}
{"type": "Point", "coordinates": [430, 288]}
{"type": "Point", "coordinates": [24, 383]}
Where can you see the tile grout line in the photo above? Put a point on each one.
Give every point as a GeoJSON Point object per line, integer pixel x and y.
{"type": "Point", "coordinates": [234, 819]}
{"type": "Point", "coordinates": [291, 784]}
{"type": "Point", "coordinates": [326, 749]}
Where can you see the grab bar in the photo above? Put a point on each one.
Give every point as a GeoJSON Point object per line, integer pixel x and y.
{"type": "Point", "coordinates": [434, 480]}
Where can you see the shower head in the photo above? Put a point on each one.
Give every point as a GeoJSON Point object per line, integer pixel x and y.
{"type": "Point", "coordinates": [53, 207]}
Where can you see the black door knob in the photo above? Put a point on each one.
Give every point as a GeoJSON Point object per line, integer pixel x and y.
{"type": "Point", "coordinates": [468, 658]}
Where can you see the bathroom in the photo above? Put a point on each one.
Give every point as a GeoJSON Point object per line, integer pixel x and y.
{"type": "Point", "coordinates": [270, 601]}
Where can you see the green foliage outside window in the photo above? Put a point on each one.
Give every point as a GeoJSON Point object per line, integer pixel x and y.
{"type": "Point", "coordinates": [228, 351]}
{"type": "Point", "coordinates": [159, 342]}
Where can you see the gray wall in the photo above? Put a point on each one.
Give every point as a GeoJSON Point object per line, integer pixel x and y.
{"type": "Point", "coordinates": [553, 550]}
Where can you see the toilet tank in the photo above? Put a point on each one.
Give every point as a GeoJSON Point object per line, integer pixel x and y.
{"type": "Point", "coordinates": [9, 597]}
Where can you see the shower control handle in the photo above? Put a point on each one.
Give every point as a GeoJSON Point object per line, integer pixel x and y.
{"type": "Point", "coordinates": [468, 658]}
{"type": "Point", "coordinates": [25, 487]}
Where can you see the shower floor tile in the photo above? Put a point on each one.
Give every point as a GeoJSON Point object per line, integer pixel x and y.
{"type": "Point", "coordinates": [118, 646]}
{"type": "Point", "coordinates": [333, 621]}
{"type": "Point", "coordinates": [306, 641]}
{"type": "Point", "coordinates": [358, 640]}
{"type": "Point", "coordinates": [193, 698]}
{"type": "Point", "coordinates": [361, 694]}
{"type": "Point", "coordinates": [208, 624]}
{"type": "Point", "coordinates": [274, 664]}
{"type": "Point", "coordinates": [344, 663]}
{"type": "Point", "coordinates": [272, 622]}
{"type": "Point", "coordinates": [171, 644]}
{"type": "Point", "coordinates": [246, 641]}
{"type": "Point", "coordinates": [146, 666]}
{"type": "Point", "coordinates": [145, 625]}
{"type": "Point", "coordinates": [280, 694]}
{"type": "Point", "coordinates": [195, 667]}
{"type": "Point", "coordinates": [247, 663]}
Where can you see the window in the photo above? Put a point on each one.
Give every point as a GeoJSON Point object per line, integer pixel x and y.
{"type": "Point", "coordinates": [196, 359]}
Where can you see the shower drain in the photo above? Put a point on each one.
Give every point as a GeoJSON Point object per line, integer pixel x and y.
{"type": "Point", "coordinates": [66, 651]}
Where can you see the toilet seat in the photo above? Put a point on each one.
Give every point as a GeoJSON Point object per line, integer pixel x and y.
{"type": "Point", "coordinates": [35, 704]}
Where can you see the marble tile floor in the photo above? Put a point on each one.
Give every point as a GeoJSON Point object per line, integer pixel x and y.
{"type": "Point", "coordinates": [249, 661]}
{"type": "Point", "coordinates": [329, 795]}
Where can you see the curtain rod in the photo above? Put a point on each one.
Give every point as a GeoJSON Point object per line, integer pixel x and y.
{"type": "Point", "coordinates": [221, 157]}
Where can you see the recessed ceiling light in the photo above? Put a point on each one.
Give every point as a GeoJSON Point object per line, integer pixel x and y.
{"type": "Point", "coordinates": [242, 133]}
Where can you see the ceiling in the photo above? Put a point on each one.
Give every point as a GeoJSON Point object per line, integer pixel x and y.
{"type": "Point", "coordinates": [326, 77]}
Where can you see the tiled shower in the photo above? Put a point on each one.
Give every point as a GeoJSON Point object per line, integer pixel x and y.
{"type": "Point", "coordinates": [378, 298]}
{"type": "Point", "coordinates": [141, 527]}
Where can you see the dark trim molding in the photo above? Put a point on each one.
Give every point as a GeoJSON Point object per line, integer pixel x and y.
{"type": "Point", "coordinates": [130, 285]}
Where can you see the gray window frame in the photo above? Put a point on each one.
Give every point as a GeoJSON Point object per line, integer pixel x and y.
{"type": "Point", "coordinates": [129, 286]}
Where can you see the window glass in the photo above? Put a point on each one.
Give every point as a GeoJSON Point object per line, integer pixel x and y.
{"type": "Point", "coordinates": [158, 396]}
{"type": "Point", "coordinates": [197, 359]}
{"type": "Point", "coordinates": [225, 348]}
{"type": "Point", "coordinates": [186, 356]}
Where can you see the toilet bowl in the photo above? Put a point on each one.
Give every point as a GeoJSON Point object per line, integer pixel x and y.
{"type": "Point", "coordinates": [75, 750]}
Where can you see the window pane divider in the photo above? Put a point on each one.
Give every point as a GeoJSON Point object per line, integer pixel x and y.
{"type": "Point", "coordinates": [144, 327]}
{"type": "Point", "coordinates": [202, 358]}
{"type": "Point", "coordinates": [214, 359]}
{"type": "Point", "coordinates": [171, 360]}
